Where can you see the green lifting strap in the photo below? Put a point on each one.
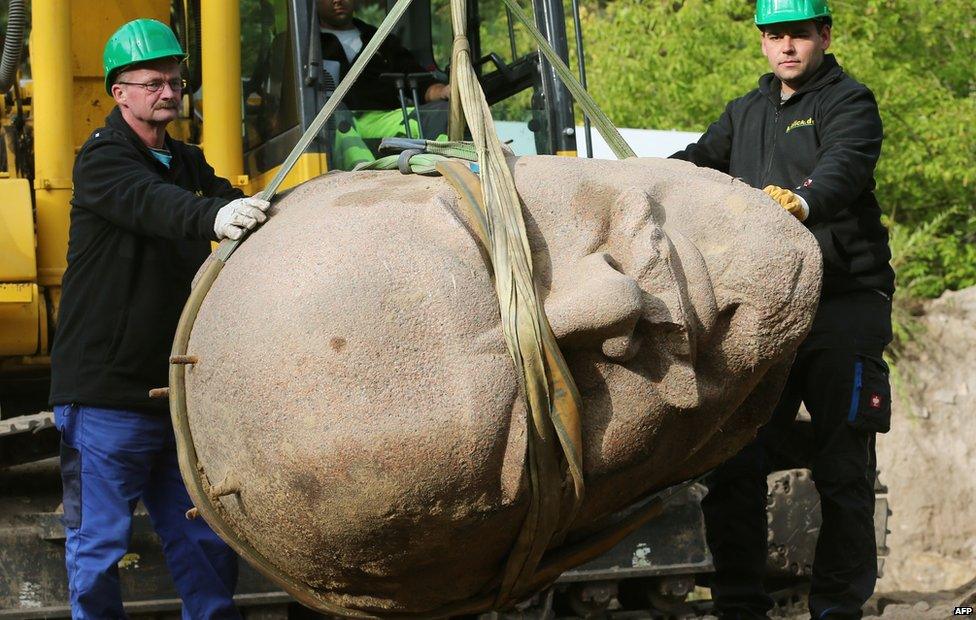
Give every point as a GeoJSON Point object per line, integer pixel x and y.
{"type": "Point", "coordinates": [419, 156]}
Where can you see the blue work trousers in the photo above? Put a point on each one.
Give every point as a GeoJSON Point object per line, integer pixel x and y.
{"type": "Point", "coordinates": [110, 459]}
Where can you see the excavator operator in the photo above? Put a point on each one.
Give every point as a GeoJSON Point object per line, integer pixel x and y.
{"type": "Point", "coordinates": [373, 98]}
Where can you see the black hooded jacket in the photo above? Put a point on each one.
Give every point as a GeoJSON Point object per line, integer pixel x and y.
{"type": "Point", "coordinates": [138, 234]}
{"type": "Point", "coordinates": [822, 143]}
{"type": "Point", "coordinates": [371, 92]}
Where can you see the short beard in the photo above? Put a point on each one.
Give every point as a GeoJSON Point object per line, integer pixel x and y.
{"type": "Point", "coordinates": [800, 80]}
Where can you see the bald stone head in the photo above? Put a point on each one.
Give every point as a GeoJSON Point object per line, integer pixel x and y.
{"type": "Point", "coordinates": [354, 375]}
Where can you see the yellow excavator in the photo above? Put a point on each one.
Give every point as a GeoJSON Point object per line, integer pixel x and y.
{"type": "Point", "coordinates": [256, 76]}
{"type": "Point", "coordinates": [256, 82]}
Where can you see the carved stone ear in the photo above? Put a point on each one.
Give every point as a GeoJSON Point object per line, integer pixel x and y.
{"type": "Point", "coordinates": [598, 307]}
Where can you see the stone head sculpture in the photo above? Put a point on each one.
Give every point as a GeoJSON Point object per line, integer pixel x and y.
{"type": "Point", "coordinates": [354, 382]}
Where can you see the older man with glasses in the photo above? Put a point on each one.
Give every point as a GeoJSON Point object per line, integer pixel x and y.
{"type": "Point", "coordinates": [144, 211]}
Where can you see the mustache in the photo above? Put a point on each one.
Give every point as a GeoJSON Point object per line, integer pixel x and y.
{"type": "Point", "coordinates": [166, 105]}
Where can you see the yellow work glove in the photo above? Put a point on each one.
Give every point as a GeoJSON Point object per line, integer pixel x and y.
{"type": "Point", "coordinates": [789, 201]}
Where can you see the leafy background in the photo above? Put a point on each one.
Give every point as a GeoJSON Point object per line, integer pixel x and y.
{"type": "Point", "coordinates": [672, 64]}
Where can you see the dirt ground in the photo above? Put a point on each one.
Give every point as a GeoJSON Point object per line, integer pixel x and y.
{"type": "Point", "coordinates": [921, 606]}
{"type": "Point", "coordinates": [928, 462]}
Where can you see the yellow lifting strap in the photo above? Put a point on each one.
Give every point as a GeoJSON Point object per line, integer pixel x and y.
{"type": "Point", "coordinates": [554, 427]}
{"type": "Point", "coordinates": [621, 524]}
{"type": "Point", "coordinates": [547, 383]}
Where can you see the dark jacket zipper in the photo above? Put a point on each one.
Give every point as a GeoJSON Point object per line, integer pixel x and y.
{"type": "Point", "coordinates": [772, 146]}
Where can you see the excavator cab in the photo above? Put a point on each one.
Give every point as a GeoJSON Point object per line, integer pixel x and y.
{"type": "Point", "coordinates": [285, 82]}
{"type": "Point", "coordinates": [527, 101]}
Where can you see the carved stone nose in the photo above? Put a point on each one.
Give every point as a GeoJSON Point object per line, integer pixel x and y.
{"type": "Point", "coordinates": [600, 309]}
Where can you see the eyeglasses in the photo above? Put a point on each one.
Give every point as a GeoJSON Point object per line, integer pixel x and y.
{"type": "Point", "coordinates": [155, 85]}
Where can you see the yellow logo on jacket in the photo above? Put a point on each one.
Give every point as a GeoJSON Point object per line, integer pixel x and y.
{"type": "Point", "coordinates": [800, 123]}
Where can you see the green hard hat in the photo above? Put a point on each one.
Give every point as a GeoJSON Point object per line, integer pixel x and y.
{"type": "Point", "coordinates": [138, 41]}
{"type": "Point", "coordinates": [779, 11]}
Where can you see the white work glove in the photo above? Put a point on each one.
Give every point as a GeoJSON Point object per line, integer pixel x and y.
{"type": "Point", "coordinates": [239, 215]}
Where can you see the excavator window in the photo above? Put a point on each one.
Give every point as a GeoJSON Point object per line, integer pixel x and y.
{"type": "Point", "coordinates": [268, 79]}
{"type": "Point", "coordinates": [504, 56]}
{"type": "Point", "coordinates": [508, 67]}
{"type": "Point", "coordinates": [286, 80]}
{"type": "Point", "coordinates": [506, 60]}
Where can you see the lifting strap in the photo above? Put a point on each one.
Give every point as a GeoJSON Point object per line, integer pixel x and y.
{"type": "Point", "coordinates": [554, 440]}
{"type": "Point", "coordinates": [556, 561]}
{"type": "Point", "coordinates": [413, 156]}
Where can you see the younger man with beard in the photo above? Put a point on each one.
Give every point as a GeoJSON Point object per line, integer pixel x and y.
{"type": "Point", "coordinates": [810, 136]}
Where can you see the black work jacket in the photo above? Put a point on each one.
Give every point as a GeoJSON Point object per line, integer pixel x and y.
{"type": "Point", "coordinates": [370, 92]}
{"type": "Point", "coordinates": [138, 234]}
{"type": "Point", "coordinates": [822, 143]}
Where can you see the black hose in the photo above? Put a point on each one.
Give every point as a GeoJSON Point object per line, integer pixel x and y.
{"type": "Point", "coordinates": [194, 45]}
{"type": "Point", "coordinates": [177, 22]}
{"type": "Point", "coordinates": [13, 43]}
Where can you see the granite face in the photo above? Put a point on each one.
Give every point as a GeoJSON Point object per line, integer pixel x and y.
{"type": "Point", "coordinates": [353, 375]}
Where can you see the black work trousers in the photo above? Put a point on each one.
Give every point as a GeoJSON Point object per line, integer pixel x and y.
{"type": "Point", "coordinates": [843, 381]}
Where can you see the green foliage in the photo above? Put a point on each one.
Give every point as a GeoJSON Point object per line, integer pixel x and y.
{"type": "Point", "coordinates": [673, 64]}
{"type": "Point", "coordinates": [261, 22]}
{"type": "Point", "coordinates": [670, 65]}
{"type": "Point", "coordinates": [937, 254]}
{"type": "Point", "coordinates": [372, 13]}
{"type": "Point", "coordinates": [917, 57]}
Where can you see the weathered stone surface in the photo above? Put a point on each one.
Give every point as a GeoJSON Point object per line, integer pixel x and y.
{"type": "Point", "coordinates": [354, 377]}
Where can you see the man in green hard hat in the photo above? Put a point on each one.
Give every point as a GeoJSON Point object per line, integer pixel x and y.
{"type": "Point", "coordinates": [810, 137]}
{"type": "Point", "coordinates": [144, 211]}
